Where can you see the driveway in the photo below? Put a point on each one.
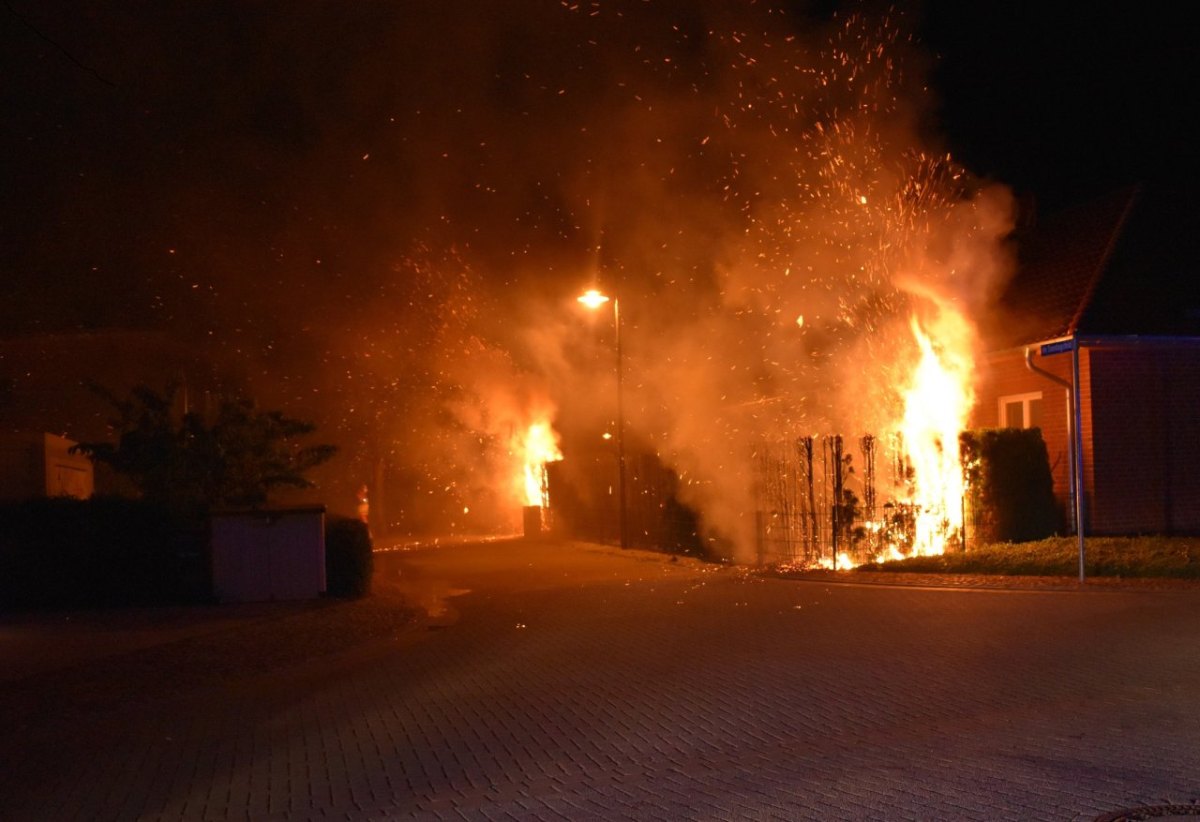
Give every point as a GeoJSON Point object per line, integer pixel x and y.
{"type": "Point", "coordinates": [564, 681]}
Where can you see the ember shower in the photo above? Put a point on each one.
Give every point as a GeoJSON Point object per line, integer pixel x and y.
{"type": "Point", "coordinates": [795, 259]}
{"type": "Point", "coordinates": [791, 255]}
{"type": "Point", "coordinates": [761, 186]}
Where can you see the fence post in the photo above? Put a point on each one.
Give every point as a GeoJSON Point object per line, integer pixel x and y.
{"type": "Point", "coordinates": [760, 536]}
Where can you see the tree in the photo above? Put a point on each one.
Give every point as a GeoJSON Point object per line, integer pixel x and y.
{"type": "Point", "coordinates": [188, 462]}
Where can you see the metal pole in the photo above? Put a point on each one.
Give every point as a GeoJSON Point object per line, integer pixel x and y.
{"type": "Point", "coordinates": [1079, 489]}
{"type": "Point", "coordinates": [620, 432]}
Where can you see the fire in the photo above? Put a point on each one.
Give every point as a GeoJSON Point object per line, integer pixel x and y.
{"type": "Point", "coordinates": [535, 447]}
{"type": "Point", "coordinates": [937, 403]}
{"type": "Point", "coordinates": [844, 562]}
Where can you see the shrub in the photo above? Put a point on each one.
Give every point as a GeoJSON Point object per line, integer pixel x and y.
{"type": "Point", "coordinates": [1012, 491]}
{"type": "Point", "coordinates": [234, 456]}
{"type": "Point", "coordinates": [64, 552]}
{"type": "Point", "coordinates": [349, 563]}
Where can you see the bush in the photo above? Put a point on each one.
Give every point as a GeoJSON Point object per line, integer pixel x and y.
{"type": "Point", "coordinates": [1012, 491]}
{"type": "Point", "coordinates": [104, 551]}
{"type": "Point", "coordinates": [349, 562]}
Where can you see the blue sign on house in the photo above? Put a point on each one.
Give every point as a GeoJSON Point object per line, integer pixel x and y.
{"type": "Point", "coordinates": [1057, 347]}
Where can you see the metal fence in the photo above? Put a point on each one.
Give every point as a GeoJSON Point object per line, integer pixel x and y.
{"type": "Point", "coordinates": [819, 501]}
{"type": "Point", "coordinates": [830, 501]}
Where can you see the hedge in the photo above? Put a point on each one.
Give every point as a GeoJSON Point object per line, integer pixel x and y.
{"type": "Point", "coordinates": [349, 562]}
{"type": "Point", "coordinates": [1011, 489]}
{"type": "Point", "coordinates": [104, 551]}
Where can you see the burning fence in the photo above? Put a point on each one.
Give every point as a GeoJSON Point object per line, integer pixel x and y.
{"type": "Point", "coordinates": [837, 502]}
{"type": "Point", "coordinates": [816, 508]}
{"type": "Point", "coordinates": [820, 501]}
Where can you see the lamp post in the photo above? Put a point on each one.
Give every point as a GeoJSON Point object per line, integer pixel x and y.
{"type": "Point", "coordinates": [593, 299]}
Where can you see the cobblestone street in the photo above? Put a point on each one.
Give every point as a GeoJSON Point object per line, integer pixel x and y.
{"type": "Point", "coordinates": [563, 681]}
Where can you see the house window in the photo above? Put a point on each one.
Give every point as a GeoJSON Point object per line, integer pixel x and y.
{"type": "Point", "coordinates": [1021, 410]}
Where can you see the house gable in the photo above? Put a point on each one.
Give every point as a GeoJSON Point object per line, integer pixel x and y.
{"type": "Point", "coordinates": [1113, 278]}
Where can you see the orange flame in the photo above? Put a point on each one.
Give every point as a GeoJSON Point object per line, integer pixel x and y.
{"type": "Point", "coordinates": [936, 407]}
{"type": "Point", "coordinates": [535, 447]}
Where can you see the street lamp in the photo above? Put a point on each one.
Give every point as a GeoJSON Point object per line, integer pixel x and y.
{"type": "Point", "coordinates": [593, 299]}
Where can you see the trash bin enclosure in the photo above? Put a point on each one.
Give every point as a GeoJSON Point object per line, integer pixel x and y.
{"type": "Point", "coordinates": [531, 520]}
{"type": "Point", "coordinates": [272, 554]}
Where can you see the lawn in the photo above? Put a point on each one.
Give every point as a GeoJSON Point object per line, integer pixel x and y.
{"type": "Point", "coordinates": [1177, 557]}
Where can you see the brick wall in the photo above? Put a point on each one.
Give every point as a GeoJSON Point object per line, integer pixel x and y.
{"type": "Point", "coordinates": [1005, 374]}
{"type": "Point", "coordinates": [1147, 465]}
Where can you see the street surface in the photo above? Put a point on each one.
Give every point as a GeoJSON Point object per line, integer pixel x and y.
{"type": "Point", "coordinates": [564, 681]}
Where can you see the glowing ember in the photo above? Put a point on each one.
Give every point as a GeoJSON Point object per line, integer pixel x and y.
{"type": "Point", "coordinates": [936, 405]}
{"type": "Point", "coordinates": [537, 446]}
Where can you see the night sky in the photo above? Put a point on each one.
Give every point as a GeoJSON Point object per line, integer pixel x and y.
{"type": "Point", "coordinates": [1067, 100]}
{"type": "Point", "coordinates": [376, 209]}
{"type": "Point", "coordinates": [124, 121]}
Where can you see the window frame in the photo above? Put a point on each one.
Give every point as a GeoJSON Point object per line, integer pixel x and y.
{"type": "Point", "coordinates": [1025, 399]}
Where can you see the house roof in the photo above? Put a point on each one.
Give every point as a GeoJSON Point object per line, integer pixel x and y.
{"type": "Point", "coordinates": [1122, 264]}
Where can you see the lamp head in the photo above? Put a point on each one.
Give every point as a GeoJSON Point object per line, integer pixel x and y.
{"type": "Point", "coordinates": [593, 299]}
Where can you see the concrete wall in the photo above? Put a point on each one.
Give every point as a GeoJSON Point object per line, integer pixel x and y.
{"type": "Point", "coordinates": [268, 555]}
{"type": "Point", "coordinates": [36, 465]}
{"type": "Point", "coordinates": [66, 474]}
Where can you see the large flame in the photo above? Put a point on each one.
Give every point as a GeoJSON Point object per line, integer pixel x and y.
{"type": "Point", "coordinates": [535, 447]}
{"type": "Point", "coordinates": [937, 403]}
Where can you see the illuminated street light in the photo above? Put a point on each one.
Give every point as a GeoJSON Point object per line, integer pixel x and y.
{"type": "Point", "coordinates": [593, 299]}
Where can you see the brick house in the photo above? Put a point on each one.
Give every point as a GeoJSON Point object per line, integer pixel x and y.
{"type": "Point", "coordinates": [1104, 310]}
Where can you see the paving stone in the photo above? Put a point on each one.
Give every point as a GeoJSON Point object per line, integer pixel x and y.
{"type": "Point", "coordinates": [756, 699]}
